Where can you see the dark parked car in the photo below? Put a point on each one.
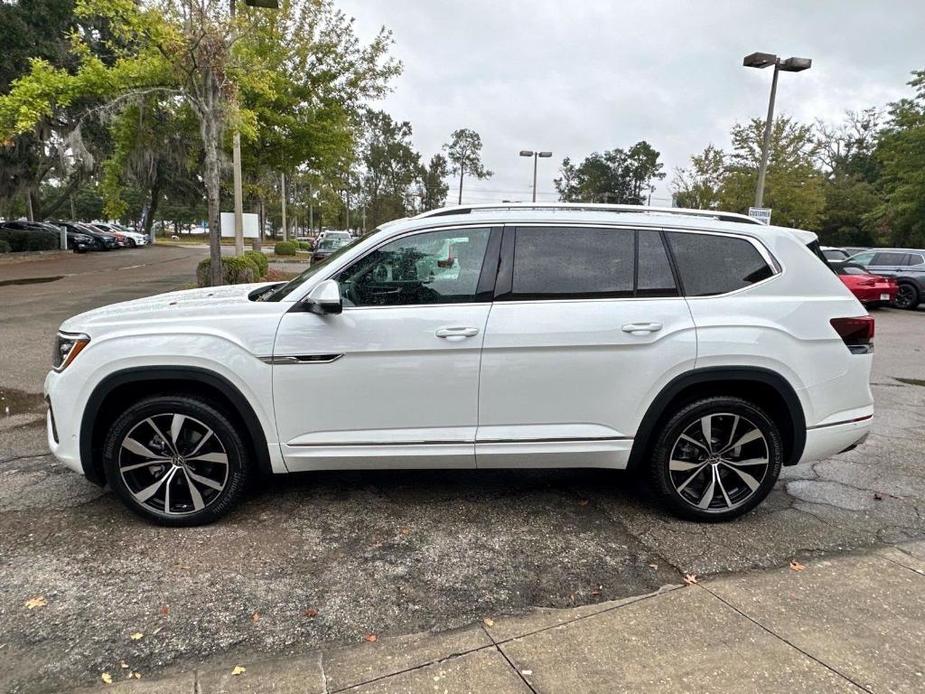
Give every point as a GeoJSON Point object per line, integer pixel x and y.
{"type": "Point", "coordinates": [905, 265]}
{"type": "Point", "coordinates": [98, 241]}
{"type": "Point", "coordinates": [50, 235]}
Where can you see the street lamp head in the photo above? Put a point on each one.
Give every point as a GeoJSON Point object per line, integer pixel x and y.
{"type": "Point", "coordinates": [526, 153]}
{"type": "Point", "coordinates": [759, 60]}
{"type": "Point", "coordinates": [796, 64]}
{"type": "Point", "coordinates": [545, 155]}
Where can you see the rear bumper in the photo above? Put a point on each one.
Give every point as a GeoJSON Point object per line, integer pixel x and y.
{"type": "Point", "coordinates": [825, 441]}
{"type": "Point", "coordinates": [873, 295]}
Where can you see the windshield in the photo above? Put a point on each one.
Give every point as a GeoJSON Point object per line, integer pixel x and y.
{"type": "Point", "coordinates": [331, 244]}
{"type": "Point", "coordinates": [284, 290]}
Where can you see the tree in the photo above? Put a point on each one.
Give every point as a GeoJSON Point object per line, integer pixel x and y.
{"type": "Point", "coordinates": [434, 187]}
{"type": "Point", "coordinates": [793, 187]}
{"type": "Point", "coordinates": [391, 167]}
{"type": "Point", "coordinates": [615, 176]}
{"type": "Point", "coordinates": [901, 154]}
{"type": "Point", "coordinates": [699, 186]}
{"type": "Point", "coordinates": [465, 154]}
{"type": "Point", "coordinates": [193, 51]}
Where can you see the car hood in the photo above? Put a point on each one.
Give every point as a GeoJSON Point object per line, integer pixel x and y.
{"type": "Point", "coordinates": [188, 303]}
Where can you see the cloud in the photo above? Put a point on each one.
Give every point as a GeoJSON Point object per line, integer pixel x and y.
{"type": "Point", "coordinates": [576, 77]}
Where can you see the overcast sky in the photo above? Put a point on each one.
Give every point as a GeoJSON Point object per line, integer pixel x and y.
{"type": "Point", "coordinates": [587, 75]}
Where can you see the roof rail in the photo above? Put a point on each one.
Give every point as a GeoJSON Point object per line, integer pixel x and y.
{"type": "Point", "coordinates": [593, 207]}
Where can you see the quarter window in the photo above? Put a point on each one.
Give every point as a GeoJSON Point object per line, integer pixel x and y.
{"type": "Point", "coordinates": [712, 264]}
{"type": "Point", "coordinates": [915, 259]}
{"type": "Point", "coordinates": [438, 267]}
{"type": "Point", "coordinates": [653, 274]}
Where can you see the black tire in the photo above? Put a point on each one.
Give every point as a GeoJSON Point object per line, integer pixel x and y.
{"type": "Point", "coordinates": [155, 454]}
{"type": "Point", "coordinates": [675, 459]}
{"type": "Point", "coordinates": [907, 297]}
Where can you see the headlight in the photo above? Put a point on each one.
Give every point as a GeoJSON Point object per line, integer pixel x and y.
{"type": "Point", "coordinates": [67, 347]}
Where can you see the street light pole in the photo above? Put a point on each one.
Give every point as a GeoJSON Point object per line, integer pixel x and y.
{"type": "Point", "coordinates": [761, 61]}
{"type": "Point", "coordinates": [535, 155]}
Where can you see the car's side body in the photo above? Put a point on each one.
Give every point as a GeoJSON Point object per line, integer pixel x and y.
{"type": "Point", "coordinates": [532, 382]}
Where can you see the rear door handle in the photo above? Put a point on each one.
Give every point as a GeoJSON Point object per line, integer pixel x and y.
{"type": "Point", "coordinates": [641, 328]}
{"type": "Point", "coordinates": [455, 333]}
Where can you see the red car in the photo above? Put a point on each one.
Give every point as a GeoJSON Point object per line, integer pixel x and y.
{"type": "Point", "coordinates": [871, 290]}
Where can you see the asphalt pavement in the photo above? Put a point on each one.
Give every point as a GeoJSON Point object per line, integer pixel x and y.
{"type": "Point", "coordinates": [327, 559]}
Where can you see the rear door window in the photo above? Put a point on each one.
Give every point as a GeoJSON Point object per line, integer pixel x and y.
{"type": "Point", "coordinates": [888, 258]}
{"type": "Point", "coordinates": [711, 264]}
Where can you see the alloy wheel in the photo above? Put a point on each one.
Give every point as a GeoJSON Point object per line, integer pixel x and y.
{"type": "Point", "coordinates": [905, 296]}
{"type": "Point", "coordinates": [173, 464]}
{"type": "Point", "coordinates": [719, 462]}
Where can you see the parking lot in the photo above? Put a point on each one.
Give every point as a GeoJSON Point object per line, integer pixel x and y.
{"type": "Point", "coordinates": [332, 557]}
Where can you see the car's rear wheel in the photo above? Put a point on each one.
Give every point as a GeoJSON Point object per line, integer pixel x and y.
{"type": "Point", "coordinates": [907, 296]}
{"type": "Point", "coordinates": [716, 459]}
{"type": "Point", "coordinates": [176, 460]}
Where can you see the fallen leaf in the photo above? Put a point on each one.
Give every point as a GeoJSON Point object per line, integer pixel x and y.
{"type": "Point", "coordinates": [106, 677]}
{"type": "Point", "coordinates": [123, 665]}
{"type": "Point", "coordinates": [37, 601]}
{"type": "Point", "coordinates": [238, 670]}
{"type": "Point", "coordinates": [690, 579]}
{"type": "Point", "coordinates": [137, 636]}
{"type": "Point", "coordinates": [372, 638]}
{"type": "Point", "coordinates": [165, 610]}
{"type": "Point", "coordinates": [406, 530]}
{"type": "Point", "coordinates": [311, 613]}
{"type": "Point", "coordinates": [583, 502]}
{"type": "Point", "coordinates": [489, 622]}
{"type": "Point", "coordinates": [595, 592]}
{"type": "Point", "coordinates": [796, 566]}
{"type": "Point", "coordinates": [255, 617]}
{"type": "Point", "coordinates": [136, 675]}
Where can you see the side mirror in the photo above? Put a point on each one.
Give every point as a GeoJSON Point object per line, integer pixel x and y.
{"type": "Point", "coordinates": [325, 299]}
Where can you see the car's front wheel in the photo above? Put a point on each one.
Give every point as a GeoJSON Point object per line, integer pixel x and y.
{"type": "Point", "coordinates": [716, 459]}
{"type": "Point", "coordinates": [907, 296]}
{"type": "Point", "coordinates": [176, 460]}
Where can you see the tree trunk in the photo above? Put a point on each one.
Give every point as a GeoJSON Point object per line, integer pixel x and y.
{"type": "Point", "coordinates": [461, 172]}
{"type": "Point", "coordinates": [211, 133]}
{"type": "Point", "coordinates": [147, 217]}
{"type": "Point", "coordinates": [30, 213]}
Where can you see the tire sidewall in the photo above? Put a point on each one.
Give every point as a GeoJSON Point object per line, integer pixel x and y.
{"type": "Point", "coordinates": [915, 297]}
{"type": "Point", "coordinates": [679, 422]}
{"type": "Point", "coordinates": [209, 415]}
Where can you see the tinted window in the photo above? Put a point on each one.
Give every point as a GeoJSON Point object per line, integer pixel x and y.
{"type": "Point", "coordinates": [437, 267]}
{"type": "Point", "coordinates": [835, 254]}
{"type": "Point", "coordinates": [653, 277]}
{"type": "Point", "coordinates": [851, 270]}
{"type": "Point", "coordinates": [915, 259]}
{"type": "Point", "coordinates": [573, 262]}
{"type": "Point", "coordinates": [889, 259]}
{"type": "Point", "coordinates": [711, 264]}
{"type": "Point", "coordinates": [862, 258]}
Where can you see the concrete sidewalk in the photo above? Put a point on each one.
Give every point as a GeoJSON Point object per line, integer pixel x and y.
{"type": "Point", "coordinates": [850, 623]}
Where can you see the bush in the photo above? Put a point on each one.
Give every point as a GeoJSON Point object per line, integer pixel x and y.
{"type": "Point", "coordinates": [20, 241]}
{"type": "Point", "coordinates": [4, 247]}
{"type": "Point", "coordinates": [235, 270]}
{"type": "Point", "coordinates": [263, 263]}
{"type": "Point", "coordinates": [305, 245]}
{"type": "Point", "coordinates": [285, 248]}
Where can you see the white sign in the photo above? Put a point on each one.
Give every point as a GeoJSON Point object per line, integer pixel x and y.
{"type": "Point", "coordinates": [762, 214]}
{"type": "Point", "coordinates": [251, 225]}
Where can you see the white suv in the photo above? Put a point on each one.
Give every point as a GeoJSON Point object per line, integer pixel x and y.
{"type": "Point", "coordinates": [698, 347]}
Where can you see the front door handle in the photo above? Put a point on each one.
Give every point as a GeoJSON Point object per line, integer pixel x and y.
{"type": "Point", "coordinates": [456, 334]}
{"type": "Point", "coordinates": [641, 328]}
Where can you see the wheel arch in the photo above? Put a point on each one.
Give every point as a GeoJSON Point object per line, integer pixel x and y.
{"type": "Point", "coordinates": [120, 388]}
{"type": "Point", "coordinates": [762, 386]}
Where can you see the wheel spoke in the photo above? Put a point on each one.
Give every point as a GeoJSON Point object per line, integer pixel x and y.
{"type": "Point", "coordinates": [695, 442]}
{"type": "Point", "coordinates": [750, 481]}
{"type": "Point", "coordinates": [747, 462]}
{"type": "Point", "coordinates": [147, 463]}
{"type": "Point", "coordinates": [732, 431]}
{"type": "Point", "coordinates": [753, 435]}
{"type": "Point", "coordinates": [706, 428]}
{"type": "Point", "coordinates": [160, 433]}
{"type": "Point", "coordinates": [135, 447]}
{"type": "Point", "coordinates": [210, 458]}
{"type": "Point", "coordinates": [682, 465]}
{"type": "Point", "coordinates": [708, 494]}
{"type": "Point", "coordinates": [719, 482]}
{"type": "Point", "coordinates": [198, 503]}
{"type": "Point", "coordinates": [152, 489]}
{"type": "Point", "coordinates": [204, 480]}
{"type": "Point", "coordinates": [691, 478]}
{"type": "Point", "coordinates": [176, 426]}
{"type": "Point", "coordinates": [205, 437]}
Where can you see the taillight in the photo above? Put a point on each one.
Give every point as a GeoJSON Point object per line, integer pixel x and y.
{"type": "Point", "coordinates": [867, 282]}
{"type": "Point", "coordinates": [857, 333]}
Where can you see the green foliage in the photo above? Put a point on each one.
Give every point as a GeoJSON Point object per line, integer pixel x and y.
{"type": "Point", "coordinates": [20, 241]}
{"type": "Point", "coordinates": [260, 261]}
{"type": "Point", "coordinates": [391, 167]}
{"type": "Point", "coordinates": [285, 248]}
{"type": "Point", "coordinates": [434, 188]}
{"type": "Point", "coordinates": [699, 186]}
{"type": "Point", "coordinates": [235, 270]}
{"type": "Point", "coordinates": [464, 151]}
{"type": "Point", "coordinates": [305, 245]}
{"type": "Point", "coordinates": [5, 246]}
{"type": "Point", "coordinates": [616, 176]}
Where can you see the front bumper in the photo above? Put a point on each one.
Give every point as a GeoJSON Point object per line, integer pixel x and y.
{"type": "Point", "coordinates": [62, 426]}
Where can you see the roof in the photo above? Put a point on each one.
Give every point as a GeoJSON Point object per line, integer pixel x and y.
{"type": "Point", "coordinates": [642, 216]}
